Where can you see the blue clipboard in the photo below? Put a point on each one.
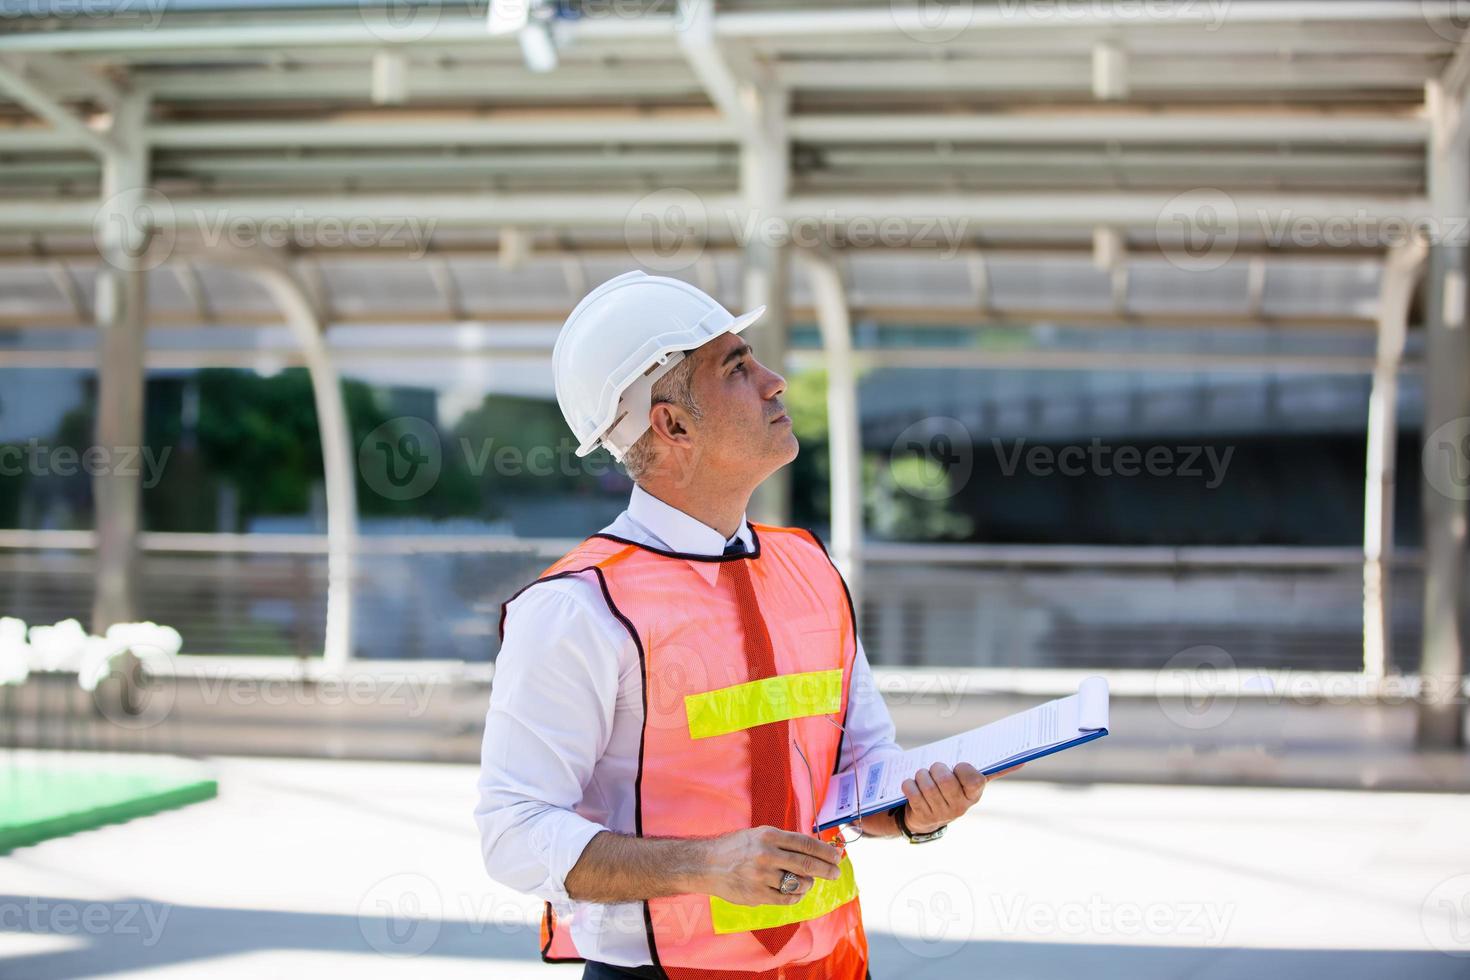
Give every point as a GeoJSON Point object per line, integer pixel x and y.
{"type": "Point", "coordinates": [1083, 739]}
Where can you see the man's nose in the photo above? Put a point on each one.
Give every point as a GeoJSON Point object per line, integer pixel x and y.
{"type": "Point", "coordinates": [773, 384]}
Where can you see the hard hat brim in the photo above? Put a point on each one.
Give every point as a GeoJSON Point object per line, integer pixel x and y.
{"type": "Point", "coordinates": [746, 319]}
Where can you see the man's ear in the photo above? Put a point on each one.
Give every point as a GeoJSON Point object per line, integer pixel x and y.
{"type": "Point", "coordinates": [667, 422]}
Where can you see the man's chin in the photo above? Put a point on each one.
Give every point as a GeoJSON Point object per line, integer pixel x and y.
{"type": "Point", "coordinates": [782, 453]}
{"type": "Point", "coordinates": [791, 448]}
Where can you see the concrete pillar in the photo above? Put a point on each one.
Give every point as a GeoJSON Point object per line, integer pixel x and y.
{"type": "Point", "coordinates": [1446, 426]}
{"type": "Point", "coordinates": [121, 313]}
{"type": "Point", "coordinates": [1396, 293]}
{"type": "Point", "coordinates": [843, 431]}
{"type": "Point", "coordinates": [765, 167]}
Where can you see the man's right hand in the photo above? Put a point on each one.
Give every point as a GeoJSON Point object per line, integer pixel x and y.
{"type": "Point", "coordinates": [745, 866]}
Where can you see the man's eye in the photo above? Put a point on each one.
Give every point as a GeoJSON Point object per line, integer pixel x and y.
{"type": "Point", "coordinates": [739, 367]}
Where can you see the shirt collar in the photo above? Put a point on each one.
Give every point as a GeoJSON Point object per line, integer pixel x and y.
{"type": "Point", "coordinates": [677, 530]}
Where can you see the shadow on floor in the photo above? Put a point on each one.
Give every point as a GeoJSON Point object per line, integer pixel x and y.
{"type": "Point", "coordinates": [128, 935]}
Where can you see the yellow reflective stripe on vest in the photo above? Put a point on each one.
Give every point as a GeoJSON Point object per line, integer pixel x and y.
{"type": "Point", "coordinates": [825, 895]}
{"type": "Point", "coordinates": [742, 706]}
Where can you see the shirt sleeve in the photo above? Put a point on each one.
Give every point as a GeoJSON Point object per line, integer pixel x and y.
{"type": "Point", "coordinates": [870, 732]}
{"type": "Point", "coordinates": [551, 709]}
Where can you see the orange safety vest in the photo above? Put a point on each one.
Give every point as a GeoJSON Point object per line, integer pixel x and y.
{"type": "Point", "coordinates": [694, 775]}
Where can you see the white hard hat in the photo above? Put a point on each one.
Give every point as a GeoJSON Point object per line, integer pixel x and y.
{"type": "Point", "coordinates": [624, 336]}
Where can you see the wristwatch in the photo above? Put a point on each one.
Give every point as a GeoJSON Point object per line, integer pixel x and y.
{"type": "Point", "coordinates": [914, 838]}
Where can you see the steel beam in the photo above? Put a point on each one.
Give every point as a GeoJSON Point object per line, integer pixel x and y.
{"type": "Point", "coordinates": [1186, 128]}
{"type": "Point", "coordinates": [339, 471]}
{"type": "Point", "coordinates": [1446, 427]}
{"type": "Point", "coordinates": [17, 81]}
{"type": "Point", "coordinates": [918, 20]}
{"type": "Point", "coordinates": [1396, 294]}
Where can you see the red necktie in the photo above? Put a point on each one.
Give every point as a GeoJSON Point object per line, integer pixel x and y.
{"type": "Point", "coordinates": [772, 801]}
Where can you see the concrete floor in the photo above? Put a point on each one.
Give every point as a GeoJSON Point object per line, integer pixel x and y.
{"type": "Point", "coordinates": [366, 869]}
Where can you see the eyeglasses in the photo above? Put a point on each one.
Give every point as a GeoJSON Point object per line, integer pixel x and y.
{"type": "Point", "coordinates": [843, 830]}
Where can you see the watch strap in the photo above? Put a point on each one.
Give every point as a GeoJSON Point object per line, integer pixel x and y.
{"type": "Point", "coordinates": [915, 838]}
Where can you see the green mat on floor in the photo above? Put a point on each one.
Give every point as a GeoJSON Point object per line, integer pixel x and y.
{"type": "Point", "coordinates": [40, 801]}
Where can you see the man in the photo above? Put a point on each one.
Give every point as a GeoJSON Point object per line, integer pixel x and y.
{"type": "Point", "coordinates": [672, 696]}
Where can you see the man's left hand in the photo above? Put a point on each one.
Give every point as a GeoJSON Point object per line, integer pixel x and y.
{"type": "Point", "coordinates": [938, 795]}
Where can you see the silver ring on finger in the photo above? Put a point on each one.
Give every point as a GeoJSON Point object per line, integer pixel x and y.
{"type": "Point", "coordinates": [789, 883]}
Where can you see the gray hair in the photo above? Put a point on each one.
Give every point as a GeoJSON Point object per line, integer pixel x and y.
{"type": "Point", "coordinates": [677, 388]}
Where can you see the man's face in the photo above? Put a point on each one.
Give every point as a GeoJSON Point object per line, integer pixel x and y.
{"type": "Point", "coordinates": [745, 429]}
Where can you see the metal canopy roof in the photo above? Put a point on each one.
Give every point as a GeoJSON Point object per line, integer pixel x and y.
{"type": "Point", "coordinates": [1029, 125]}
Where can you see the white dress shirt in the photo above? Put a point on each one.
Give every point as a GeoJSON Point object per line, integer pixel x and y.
{"type": "Point", "coordinates": [560, 753]}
